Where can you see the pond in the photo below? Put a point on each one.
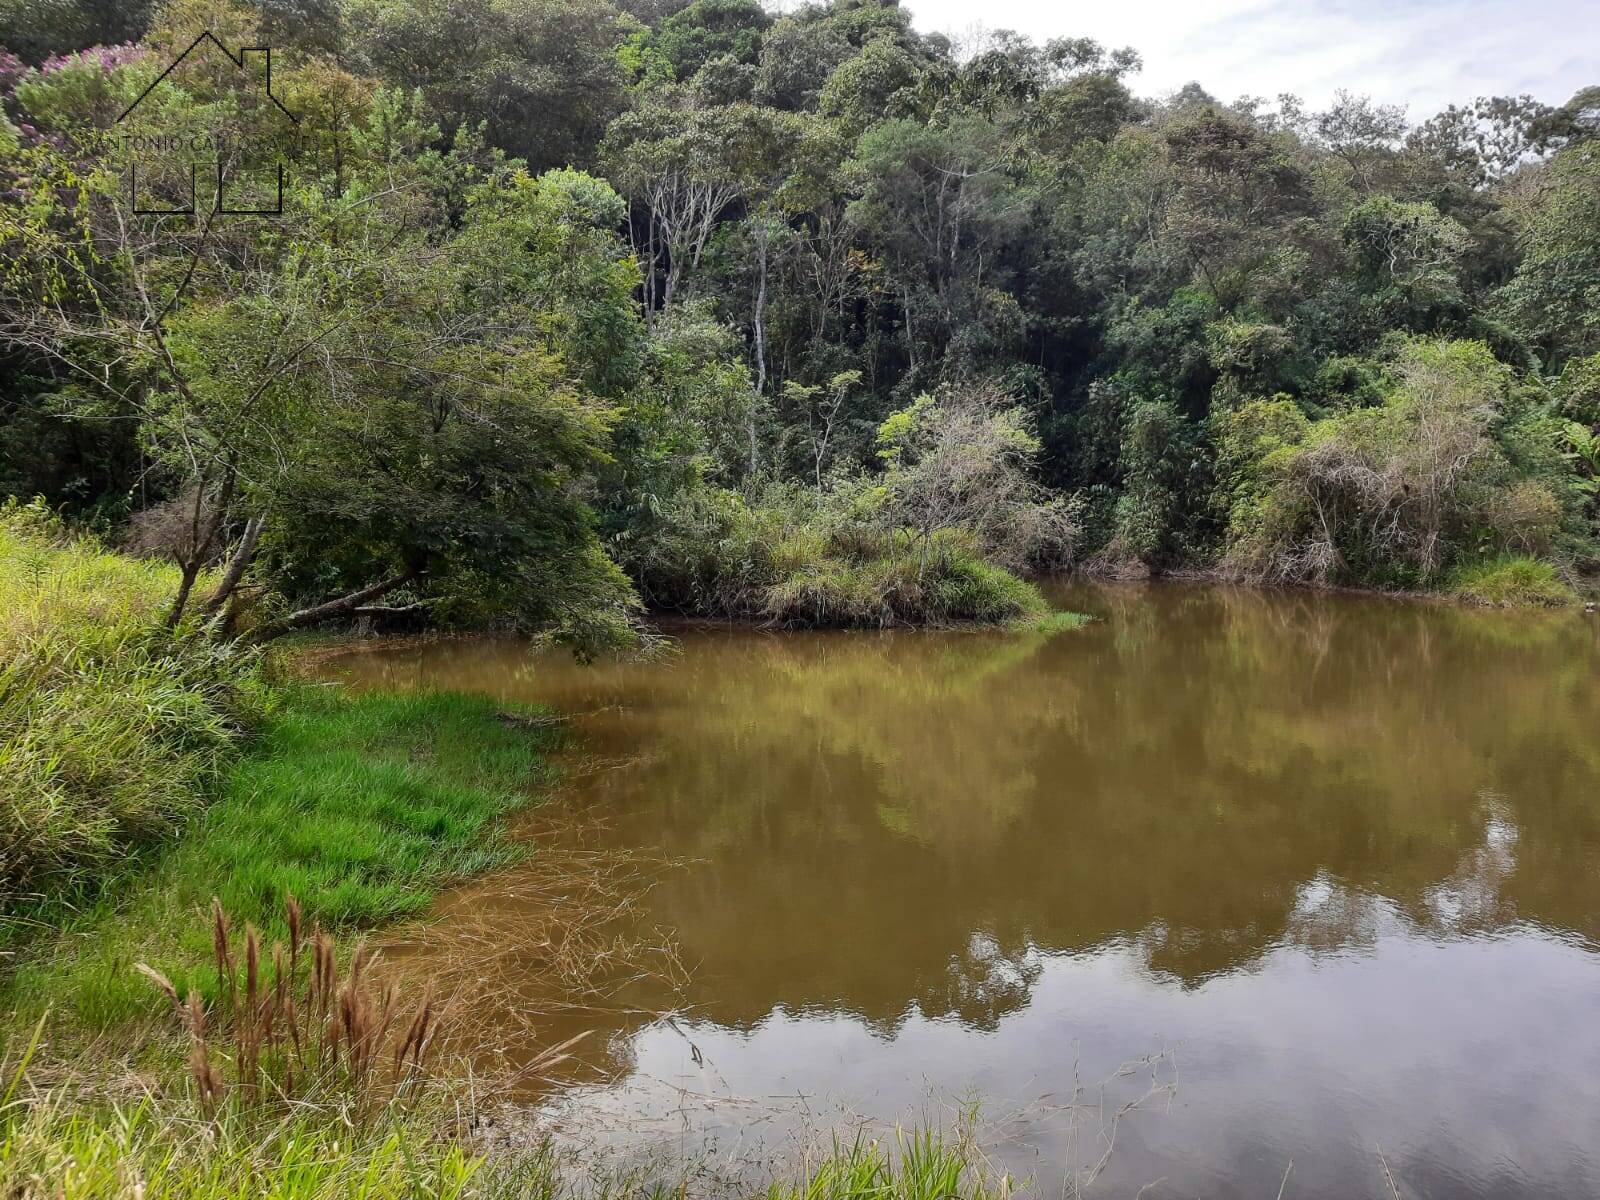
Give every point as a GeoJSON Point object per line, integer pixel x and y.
{"type": "Point", "coordinates": [1222, 880]}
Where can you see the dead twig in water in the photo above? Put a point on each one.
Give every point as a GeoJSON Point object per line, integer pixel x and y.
{"type": "Point", "coordinates": [1388, 1175]}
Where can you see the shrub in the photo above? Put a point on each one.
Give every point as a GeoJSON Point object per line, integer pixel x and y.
{"type": "Point", "coordinates": [796, 557]}
{"type": "Point", "coordinates": [932, 540]}
{"type": "Point", "coordinates": [1448, 468]}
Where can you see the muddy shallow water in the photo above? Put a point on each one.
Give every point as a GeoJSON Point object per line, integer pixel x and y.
{"type": "Point", "coordinates": [1318, 875]}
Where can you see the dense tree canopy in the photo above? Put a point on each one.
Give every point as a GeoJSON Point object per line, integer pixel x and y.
{"type": "Point", "coordinates": [568, 281]}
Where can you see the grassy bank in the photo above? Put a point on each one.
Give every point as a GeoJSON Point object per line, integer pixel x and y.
{"type": "Point", "coordinates": [358, 806]}
{"type": "Point", "coordinates": [113, 729]}
{"type": "Point", "coordinates": [51, 1149]}
{"type": "Point", "coordinates": [144, 770]}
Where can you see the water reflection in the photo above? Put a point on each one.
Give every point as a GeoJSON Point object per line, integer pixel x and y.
{"type": "Point", "coordinates": [1340, 852]}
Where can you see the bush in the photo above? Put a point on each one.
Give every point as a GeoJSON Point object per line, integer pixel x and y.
{"type": "Point", "coordinates": [799, 558]}
{"type": "Point", "coordinates": [1510, 581]}
{"type": "Point", "coordinates": [113, 729]}
{"type": "Point", "coordinates": [931, 540]}
{"type": "Point", "coordinates": [1450, 467]}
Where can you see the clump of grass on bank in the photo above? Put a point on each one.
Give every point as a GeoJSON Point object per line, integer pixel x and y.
{"type": "Point", "coordinates": [1055, 622]}
{"type": "Point", "coordinates": [1510, 581]}
{"type": "Point", "coordinates": [923, 1165]}
{"type": "Point", "coordinates": [54, 1148]}
{"type": "Point", "coordinates": [361, 807]}
{"type": "Point", "coordinates": [807, 560]}
{"type": "Point", "coordinates": [113, 729]}
{"type": "Point", "coordinates": [883, 587]}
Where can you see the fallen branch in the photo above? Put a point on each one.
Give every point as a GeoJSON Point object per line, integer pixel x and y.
{"type": "Point", "coordinates": [343, 606]}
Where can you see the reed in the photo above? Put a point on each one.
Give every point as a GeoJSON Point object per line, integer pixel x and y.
{"type": "Point", "coordinates": [289, 1026]}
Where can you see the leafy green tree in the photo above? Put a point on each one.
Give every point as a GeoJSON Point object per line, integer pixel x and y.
{"type": "Point", "coordinates": [691, 37]}
{"type": "Point", "coordinates": [943, 206]}
{"type": "Point", "coordinates": [542, 75]}
{"type": "Point", "coordinates": [403, 397]}
{"type": "Point", "coordinates": [1555, 297]}
{"type": "Point", "coordinates": [1409, 256]}
{"type": "Point", "coordinates": [1161, 499]}
{"type": "Point", "coordinates": [965, 461]}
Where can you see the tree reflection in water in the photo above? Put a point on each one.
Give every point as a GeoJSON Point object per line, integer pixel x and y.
{"type": "Point", "coordinates": [1205, 788]}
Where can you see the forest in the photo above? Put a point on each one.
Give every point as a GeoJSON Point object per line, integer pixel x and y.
{"type": "Point", "coordinates": [579, 311]}
{"type": "Point", "coordinates": [565, 319]}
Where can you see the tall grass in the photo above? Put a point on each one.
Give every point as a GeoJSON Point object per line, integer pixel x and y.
{"type": "Point", "coordinates": [1510, 581]}
{"type": "Point", "coordinates": [288, 1028]}
{"type": "Point", "coordinates": [113, 730]}
{"type": "Point", "coordinates": [922, 1164]}
{"type": "Point", "coordinates": [56, 1148]}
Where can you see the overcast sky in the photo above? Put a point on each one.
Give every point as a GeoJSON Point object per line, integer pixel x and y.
{"type": "Point", "coordinates": [1420, 53]}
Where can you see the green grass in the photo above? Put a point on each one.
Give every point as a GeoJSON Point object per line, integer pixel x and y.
{"type": "Point", "coordinates": [921, 1165]}
{"type": "Point", "coordinates": [52, 1149]}
{"type": "Point", "coordinates": [894, 587]}
{"type": "Point", "coordinates": [1509, 581]}
{"type": "Point", "coordinates": [113, 730]}
{"type": "Point", "coordinates": [1055, 622]}
{"type": "Point", "coordinates": [360, 806]}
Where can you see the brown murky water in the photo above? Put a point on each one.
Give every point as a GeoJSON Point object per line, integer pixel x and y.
{"type": "Point", "coordinates": [1325, 870]}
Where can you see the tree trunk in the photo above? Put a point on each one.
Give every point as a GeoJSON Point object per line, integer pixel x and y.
{"type": "Point", "coordinates": [345, 604]}
{"type": "Point", "coordinates": [203, 533]}
{"type": "Point", "coordinates": [236, 566]}
{"type": "Point", "coordinates": [761, 336]}
{"type": "Point", "coordinates": [191, 569]}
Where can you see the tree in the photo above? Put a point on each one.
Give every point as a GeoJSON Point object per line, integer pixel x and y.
{"type": "Point", "coordinates": [964, 460]}
{"type": "Point", "coordinates": [1397, 492]}
{"type": "Point", "coordinates": [941, 203]}
{"type": "Point", "coordinates": [823, 408]}
{"type": "Point", "coordinates": [1409, 254]}
{"type": "Point", "coordinates": [411, 394]}
{"type": "Point", "coordinates": [686, 169]}
{"type": "Point", "coordinates": [542, 75]}
{"type": "Point", "coordinates": [1362, 135]}
{"type": "Point", "coordinates": [1238, 198]}
{"type": "Point", "coordinates": [1555, 297]}
{"type": "Point", "coordinates": [708, 29]}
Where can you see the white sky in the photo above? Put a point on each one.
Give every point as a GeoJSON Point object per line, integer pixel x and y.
{"type": "Point", "coordinates": [1420, 53]}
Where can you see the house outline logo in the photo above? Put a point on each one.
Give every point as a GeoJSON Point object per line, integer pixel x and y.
{"type": "Point", "coordinates": [219, 204]}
